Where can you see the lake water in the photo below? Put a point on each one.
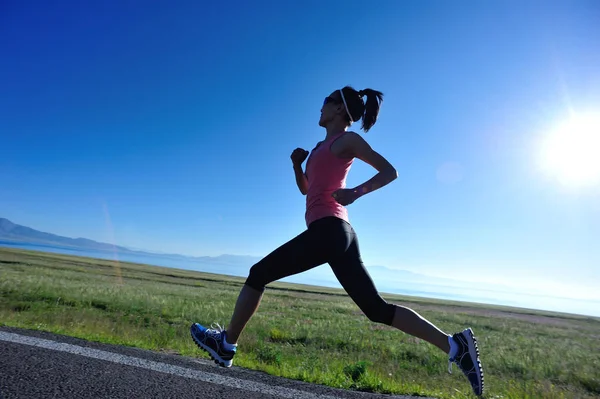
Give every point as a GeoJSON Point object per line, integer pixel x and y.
{"type": "Point", "coordinates": [322, 276]}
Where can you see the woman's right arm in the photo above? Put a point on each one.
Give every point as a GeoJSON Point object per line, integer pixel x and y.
{"type": "Point", "coordinates": [301, 180]}
{"type": "Point", "coordinates": [298, 156]}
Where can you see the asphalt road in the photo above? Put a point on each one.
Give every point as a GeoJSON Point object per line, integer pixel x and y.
{"type": "Point", "coordinates": [35, 364]}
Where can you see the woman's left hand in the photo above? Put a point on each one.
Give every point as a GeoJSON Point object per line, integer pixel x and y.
{"type": "Point", "coordinates": [345, 196]}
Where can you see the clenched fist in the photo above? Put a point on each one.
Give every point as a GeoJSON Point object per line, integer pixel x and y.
{"type": "Point", "coordinates": [298, 156]}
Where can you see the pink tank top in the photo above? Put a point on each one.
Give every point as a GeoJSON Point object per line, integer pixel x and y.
{"type": "Point", "coordinates": [325, 173]}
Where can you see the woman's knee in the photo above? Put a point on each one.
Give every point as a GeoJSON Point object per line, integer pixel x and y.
{"type": "Point", "coordinates": [257, 277]}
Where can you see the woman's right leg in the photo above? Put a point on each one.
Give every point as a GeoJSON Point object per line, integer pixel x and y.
{"type": "Point", "coordinates": [353, 276]}
{"type": "Point", "coordinates": [351, 273]}
{"type": "Point", "coordinates": [300, 254]}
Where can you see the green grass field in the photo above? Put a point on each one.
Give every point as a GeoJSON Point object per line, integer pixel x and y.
{"type": "Point", "coordinates": [308, 333]}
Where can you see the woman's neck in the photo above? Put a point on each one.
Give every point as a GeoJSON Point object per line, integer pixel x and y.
{"type": "Point", "coordinates": [335, 128]}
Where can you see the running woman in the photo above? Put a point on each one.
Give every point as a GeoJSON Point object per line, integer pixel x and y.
{"type": "Point", "coordinates": [329, 238]}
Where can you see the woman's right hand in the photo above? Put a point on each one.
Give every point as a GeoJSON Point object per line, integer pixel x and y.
{"type": "Point", "coordinates": [298, 156]}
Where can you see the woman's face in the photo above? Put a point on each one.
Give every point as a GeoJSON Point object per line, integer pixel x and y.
{"type": "Point", "coordinates": [330, 108]}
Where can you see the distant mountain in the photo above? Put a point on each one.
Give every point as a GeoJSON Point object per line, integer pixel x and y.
{"type": "Point", "coordinates": [237, 265]}
{"type": "Point", "coordinates": [16, 233]}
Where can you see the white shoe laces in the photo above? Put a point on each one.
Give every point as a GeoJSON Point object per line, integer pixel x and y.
{"type": "Point", "coordinates": [215, 331]}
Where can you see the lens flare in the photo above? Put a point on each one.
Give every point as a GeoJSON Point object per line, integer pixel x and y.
{"type": "Point", "coordinates": [109, 226]}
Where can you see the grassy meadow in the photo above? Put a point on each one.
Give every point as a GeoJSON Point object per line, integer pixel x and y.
{"type": "Point", "coordinates": [307, 333]}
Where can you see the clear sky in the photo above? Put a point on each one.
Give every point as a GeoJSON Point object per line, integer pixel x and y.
{"type": "Point", "coordinates": [168, 126]}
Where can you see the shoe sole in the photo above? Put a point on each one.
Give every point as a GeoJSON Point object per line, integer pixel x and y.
{"type": "Point", "coordinates": [213, 355]}
{"type": "Point", "coordinates": [474, 353]}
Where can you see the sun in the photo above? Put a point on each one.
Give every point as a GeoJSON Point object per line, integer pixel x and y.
{"type": "Point", "coordinates": [571, 153]}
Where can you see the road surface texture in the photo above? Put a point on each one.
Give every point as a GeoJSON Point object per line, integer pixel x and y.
{"type": "Point", "coordinates": [35, 364]}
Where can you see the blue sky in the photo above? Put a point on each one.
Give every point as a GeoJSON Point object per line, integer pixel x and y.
{"type": "Point", "coordinates": [168, 126]}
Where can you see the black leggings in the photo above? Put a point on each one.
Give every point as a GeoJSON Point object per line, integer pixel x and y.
{"type": "Point", "coordinates": [327, 240]}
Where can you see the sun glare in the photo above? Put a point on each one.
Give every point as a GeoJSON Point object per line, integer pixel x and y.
{"type": "Point", "coordinates": [571, 153]}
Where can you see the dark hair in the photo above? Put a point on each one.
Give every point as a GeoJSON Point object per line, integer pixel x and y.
{"type": "Point", "coordinates": [359, 109]}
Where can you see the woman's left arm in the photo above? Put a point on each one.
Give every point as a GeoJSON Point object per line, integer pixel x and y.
{"type": "Point", "coordinates": [357, 147]}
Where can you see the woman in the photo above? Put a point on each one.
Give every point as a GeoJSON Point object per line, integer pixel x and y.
{"type": "Point", "coordinates": [329, 238]}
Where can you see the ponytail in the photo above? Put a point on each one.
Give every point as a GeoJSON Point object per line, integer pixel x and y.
{"type": "Point", "coordinates": [371, 109]}
{"type": "Point", "coordinates": [357, 108]}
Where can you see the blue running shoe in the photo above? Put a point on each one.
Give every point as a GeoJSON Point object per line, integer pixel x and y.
{"type": "Point", "coordinates": [212, 340]}
{"type": "Point", "coordinates": [467, 359]}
